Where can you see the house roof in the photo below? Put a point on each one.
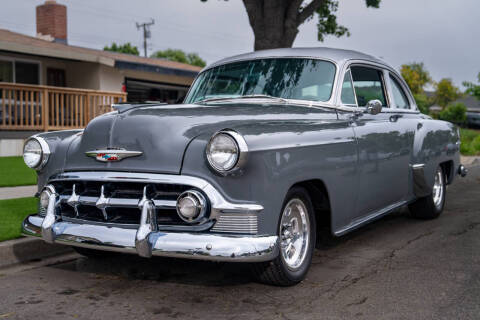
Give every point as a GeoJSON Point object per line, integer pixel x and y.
{"type": "Point", "coordinates": [472, 103]}
{"type": "Point", "coordinates": [16, 42]}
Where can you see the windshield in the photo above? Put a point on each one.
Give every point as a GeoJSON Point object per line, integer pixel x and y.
{"type": "Point", "coordinates": [288, 78]}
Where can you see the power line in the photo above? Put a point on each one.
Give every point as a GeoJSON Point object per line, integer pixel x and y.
{"type": "Point", "coordinates": [146, 33]}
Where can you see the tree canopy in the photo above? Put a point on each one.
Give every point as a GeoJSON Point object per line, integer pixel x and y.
{"type": "Point", "coordinates": [416, 76]}
{"type": "Point", "coordinates": [446, 92]}
{"type": "Point", "coordinates": [180, 56]}
{"type": "Point", "coordinates": [123, 48]}
{"type": "Point", "coordinates": [275, 23]}
{"type": "Point", "coordinates": [472, 88]}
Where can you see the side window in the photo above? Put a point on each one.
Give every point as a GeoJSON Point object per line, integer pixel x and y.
{"type": "Point", "coordinates": [401, 100]}
{"type": "Point", "coordinates": [368, 84]}
{"type": "Point", "coordinates": [348, 94]}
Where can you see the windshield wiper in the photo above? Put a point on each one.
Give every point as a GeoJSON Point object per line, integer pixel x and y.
{"type": "Point", "coordinates": [251, 96]}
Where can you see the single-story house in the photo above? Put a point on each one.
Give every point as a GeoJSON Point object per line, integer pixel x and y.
{"type": "Point", "coordinates": [47, 84]}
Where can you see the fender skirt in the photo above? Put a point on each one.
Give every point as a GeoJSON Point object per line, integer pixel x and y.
{"type": "Point", "coordinates": [420, 187]}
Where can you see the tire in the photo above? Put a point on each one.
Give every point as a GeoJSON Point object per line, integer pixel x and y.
{"type": "Point", "coordinates": [92, 253]}
{"type": "Point", "coordinates": [431, 207]}
{"type": "Point", "coordinates": [289, 268]}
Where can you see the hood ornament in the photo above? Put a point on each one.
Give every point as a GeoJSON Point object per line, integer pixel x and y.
{"type": "Point", "coordinates": [112, 154]}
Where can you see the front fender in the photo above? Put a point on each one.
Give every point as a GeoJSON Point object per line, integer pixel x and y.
{"type": "Point", "coordinates": [278, 160]}
{"type": "Point", "coordinates": [58, 142]}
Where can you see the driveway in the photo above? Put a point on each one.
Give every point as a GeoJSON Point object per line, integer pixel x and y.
{"type": "Point", "coordinates": [396, 268]}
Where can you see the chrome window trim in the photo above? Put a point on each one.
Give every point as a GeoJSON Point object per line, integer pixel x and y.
{"type": "Point", "coordinates": [382, 76]}
{"type": "Point", "coordinates": [348, 108]}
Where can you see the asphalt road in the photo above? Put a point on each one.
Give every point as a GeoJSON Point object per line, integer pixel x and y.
{"type": "Point", "coordinates": [395, 268]}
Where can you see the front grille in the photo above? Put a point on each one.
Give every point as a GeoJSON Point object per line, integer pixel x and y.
{"type": "Point", "coordinates": [118, 202]}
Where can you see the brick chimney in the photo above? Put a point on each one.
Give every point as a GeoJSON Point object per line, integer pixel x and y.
{"type": "Point", "coordinates": [52, 21]}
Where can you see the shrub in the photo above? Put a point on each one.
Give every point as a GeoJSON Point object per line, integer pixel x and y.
{"type": "Point", "coordinates": [455, 113]}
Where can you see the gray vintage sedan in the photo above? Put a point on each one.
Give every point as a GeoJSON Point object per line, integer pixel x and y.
{"type": "Point", "coordinates": [269, 152]}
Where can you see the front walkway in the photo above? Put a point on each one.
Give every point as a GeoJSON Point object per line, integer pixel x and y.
{"type": "Point", "coordinates": [17, 192]}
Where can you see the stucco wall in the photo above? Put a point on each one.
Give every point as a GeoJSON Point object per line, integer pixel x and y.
{"type": "Point", "coordinates": [83, 75]}
{"type": "Point", "coordinates": [95, 76]}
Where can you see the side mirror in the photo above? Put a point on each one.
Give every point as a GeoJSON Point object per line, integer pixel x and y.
{"type": "Point", "coordinates": [374, 107]}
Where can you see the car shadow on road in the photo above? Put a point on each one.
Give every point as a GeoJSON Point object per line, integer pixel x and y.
{"type": "Point", "coordinates": [195, 272]}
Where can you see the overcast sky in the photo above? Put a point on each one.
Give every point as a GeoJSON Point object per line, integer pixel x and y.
{"type": "Point", "coordinates": [442, 34]}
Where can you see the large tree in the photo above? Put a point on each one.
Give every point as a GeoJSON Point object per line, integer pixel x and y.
{"type": "Point", "coordinates": [416, 76]}
{"type": "Point", "coordinates": [275, 22]}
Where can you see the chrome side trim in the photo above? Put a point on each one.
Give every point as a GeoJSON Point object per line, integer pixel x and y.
{"type": "Point", "coordinates": [218, 203]}
{"type": "Point", "coordinates": [373, 216]}
{"type": "Point", "coordinates": [167, 244]}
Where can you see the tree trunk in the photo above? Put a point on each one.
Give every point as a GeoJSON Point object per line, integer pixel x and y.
{"type": "Point", "coordinates": [275, 22]}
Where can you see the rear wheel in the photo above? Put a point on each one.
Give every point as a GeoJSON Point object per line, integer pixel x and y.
{"type": "Point", "coordinates": [431, 207]}
{"type": "Point", "coordinates": [296, 232]}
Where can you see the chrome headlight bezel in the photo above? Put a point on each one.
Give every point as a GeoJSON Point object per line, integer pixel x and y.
{"type": "Point", "coordinates": [199, 203]}
{"type": "Point", "coordinates": [241, 152]}
{"type": "Point", "coordinates": [44, 152]}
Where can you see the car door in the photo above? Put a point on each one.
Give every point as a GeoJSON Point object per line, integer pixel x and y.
{"type": "Point", "coordinates": [384, 147]}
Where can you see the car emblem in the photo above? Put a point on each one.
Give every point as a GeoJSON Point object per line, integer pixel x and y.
{"type": "Point", "coordinates": [112, 154]}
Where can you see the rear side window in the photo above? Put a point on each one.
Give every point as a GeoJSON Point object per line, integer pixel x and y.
{"type": "Point", "coordinates": [369, 85]}
{"type": "Point", "coordinates": [401, 100]}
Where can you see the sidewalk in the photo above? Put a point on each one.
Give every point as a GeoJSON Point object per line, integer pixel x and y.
{"type": "Point", "coordinates": [17, 192]}
{"type": "Point", "coordinates": [470, 160]}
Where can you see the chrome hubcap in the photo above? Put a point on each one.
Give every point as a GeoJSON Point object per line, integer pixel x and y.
{"type": "Point", "coordinates": [294, 233]}
{"type": "Point", "coordinates": [438, 188]}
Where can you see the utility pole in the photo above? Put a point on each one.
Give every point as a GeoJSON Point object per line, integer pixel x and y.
{"type": "Point", "coordinates": [146, 33]}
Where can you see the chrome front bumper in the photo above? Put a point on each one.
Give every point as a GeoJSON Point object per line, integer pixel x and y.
{"type": "Point", "coordinates": [202, 246]}
{"type": "Point", "coordinates": [147, 239]}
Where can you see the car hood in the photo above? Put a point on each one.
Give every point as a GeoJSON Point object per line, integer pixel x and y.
{"type": "Point", "coordinates": [162, 133]}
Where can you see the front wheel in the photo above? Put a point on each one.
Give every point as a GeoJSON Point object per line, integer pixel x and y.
{"type": "Point", "coordinates": [431, 207]}
{"type": "Point", "coordinates": [297, 234]}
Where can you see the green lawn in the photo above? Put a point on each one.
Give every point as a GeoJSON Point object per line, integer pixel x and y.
{"type": "Point", "coordinates": [14, 172]}
{"type": "Point", "coordinates": [12, 213]}
{"type": "Point", "coordinates": [470, 142]}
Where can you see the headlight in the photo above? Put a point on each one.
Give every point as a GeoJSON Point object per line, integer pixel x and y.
{"type": "Point", "coordinates": [36, 153]}
{"type": "Point", "coordinates": [226, 150]}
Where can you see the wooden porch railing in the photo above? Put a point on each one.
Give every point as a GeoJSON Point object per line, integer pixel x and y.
{"type": "Point", "coordinates": [44, 108]}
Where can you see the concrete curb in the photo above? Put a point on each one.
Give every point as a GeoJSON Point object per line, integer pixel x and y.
{"type": "Point", "coordinates": [25, 250]}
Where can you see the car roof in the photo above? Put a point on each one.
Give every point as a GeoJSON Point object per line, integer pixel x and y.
{"type": "Point", "coordinates": [338, 55]}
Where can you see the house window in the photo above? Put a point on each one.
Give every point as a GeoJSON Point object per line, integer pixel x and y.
{"type": "Point", "coordinates": [56, 77]}
{"type": "Point", "coordinates": [26, 72]}
{"type": "Point", "coordinates": [6, 71]}
{"type": "Point", "coordinates": [19, 71]}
